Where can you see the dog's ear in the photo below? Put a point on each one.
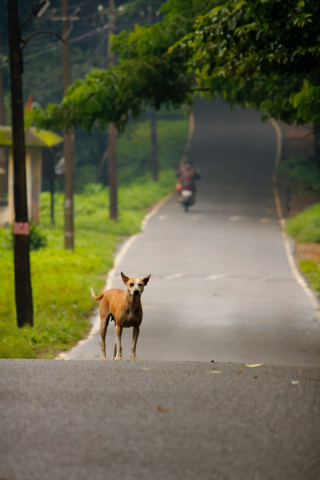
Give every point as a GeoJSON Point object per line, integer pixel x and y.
{"type": "Point", "coordinates": [146, 280]}
{"type": "Point", "coordinates": [124, 278]}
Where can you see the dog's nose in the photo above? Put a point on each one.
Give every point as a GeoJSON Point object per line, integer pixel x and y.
{"type": "Point", "coordinates": [136, 292]}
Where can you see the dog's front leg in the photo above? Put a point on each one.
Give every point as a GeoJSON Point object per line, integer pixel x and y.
{"type": "Point", "coordinates": [103, 331]}
{"type": "Point", "coordinates": [135, 335]}
{"type": "Point", "coordinates": [118, 344]}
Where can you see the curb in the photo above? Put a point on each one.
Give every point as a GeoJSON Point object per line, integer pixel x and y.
{"type": "Point", "coordinates": [286, 239]}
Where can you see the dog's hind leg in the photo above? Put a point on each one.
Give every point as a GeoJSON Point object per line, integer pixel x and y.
{"type": "Point", "coordinates": [135, 335]}
{"type": "Point", "coordinates": [103, 331]}
{"type": "Point", "coordinates": [118, 346]}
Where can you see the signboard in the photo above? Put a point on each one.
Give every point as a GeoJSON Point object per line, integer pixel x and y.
{"type": "Point", "coordinates": [21, 228]}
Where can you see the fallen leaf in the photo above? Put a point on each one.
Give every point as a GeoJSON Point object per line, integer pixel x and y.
{"type": "Point", "coordinates": [162, 410]}
{"type": "Point", "coordinates": [65, 359]}
{"type": "Point", "coordinates": [214, 371]}
{"type": "Point", "coordinates": [240, 371]}
{"type": "Point", "coordinates": [253, 365]}
{"type": "Point", "coordinates": [295, 382]}
{"type": "Point", "coordinates": [144, 368]}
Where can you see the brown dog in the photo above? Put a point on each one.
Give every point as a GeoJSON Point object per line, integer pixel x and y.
{"type": "Point", "coordinates": [124, 307]}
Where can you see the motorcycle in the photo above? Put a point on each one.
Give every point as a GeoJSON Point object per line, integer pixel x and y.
{"type": "Point", "coordinates": [187, 196]}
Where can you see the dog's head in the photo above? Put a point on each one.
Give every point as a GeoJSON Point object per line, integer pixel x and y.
{"type": "Point", "coordinates": [135, 286]}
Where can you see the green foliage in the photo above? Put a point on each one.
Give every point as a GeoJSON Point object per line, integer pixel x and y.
{"type": "Point", "coordinates": [305, 227]}
{"type": "Point", "coordinates": [259, 53]}
{"type": "Point", "coordinates": [146, 75]}
{"type": "Point", "coordinates": [311, 270]}
{"type": "Point", "coordinates": [134, 148]}
{"type": "Point", "coordinates": [303, 169]}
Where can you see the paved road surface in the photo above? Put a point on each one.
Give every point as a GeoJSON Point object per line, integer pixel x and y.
{"type": "Point", "coordinates": [221, 289]}
{"type": "Point", "coordinates": [221, 286]}
{"type": "Point", "coordinates": [94, 420]}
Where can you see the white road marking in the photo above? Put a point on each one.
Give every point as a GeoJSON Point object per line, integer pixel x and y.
{"type": "Point", "coordinates": [294, 269]}
{"type": "Point", "coordinates": [235, 218]}
{"type": "Point", "coordinates": [176, 275]}
{"type": "Point", "coordinates": [216, 277]}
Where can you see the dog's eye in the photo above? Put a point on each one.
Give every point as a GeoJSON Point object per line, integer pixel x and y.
{"type": "Point", "coordinates": [131, 284]}
{"type": "Point", "coordinates": [140, 284]}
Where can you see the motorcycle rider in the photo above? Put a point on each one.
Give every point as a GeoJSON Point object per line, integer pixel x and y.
{"type": "Point", "coordinates": [187, 174]}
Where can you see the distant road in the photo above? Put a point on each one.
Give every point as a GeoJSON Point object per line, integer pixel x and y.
{"type": "Point", "coordinates": [221, 287]}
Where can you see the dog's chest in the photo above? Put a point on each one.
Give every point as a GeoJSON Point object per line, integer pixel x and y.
{"type": "Point", "coordinates": [130, 318]}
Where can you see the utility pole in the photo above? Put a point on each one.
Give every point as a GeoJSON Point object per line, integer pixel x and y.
{"type": "Point", "coordinates": [112, 129]}
{"type": "Point", "coordinates": [153, 123]}
{"type": "Point", "coordinates": [3, 163]}
{"type": "Point", "coordinates": [23, 290]}
{"type": "Point", "coordinates": [68, 138]}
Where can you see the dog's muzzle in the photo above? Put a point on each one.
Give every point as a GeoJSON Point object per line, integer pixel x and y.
{"type": "Point", "coordinates": [136, 292]}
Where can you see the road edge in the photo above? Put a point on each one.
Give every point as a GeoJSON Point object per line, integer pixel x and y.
{"type": "Point", "coordinates": [125, 247]}
{"type": "Point", "coordinates": [291, 260]}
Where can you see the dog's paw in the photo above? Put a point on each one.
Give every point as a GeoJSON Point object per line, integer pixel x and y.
{"type": "Point", "coordinates": [134, 358]}
{"type": "Point", "coordinates": [117, 358]}
{"type": "Point", "coordinates": [103, 357]}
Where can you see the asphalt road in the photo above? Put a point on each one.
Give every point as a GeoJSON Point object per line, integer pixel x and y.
{"type": "Point", "coordinates": [221, 287]}
{"type": "Point", "coordinates": [94, 420]}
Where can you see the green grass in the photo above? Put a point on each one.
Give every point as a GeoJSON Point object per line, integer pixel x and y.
{"type": "Point", "coordinates": [305, 227]}
{"type": "Point", "coordinates": [61, 279]}
{"type": "Point", "coordinates": [311, 270]}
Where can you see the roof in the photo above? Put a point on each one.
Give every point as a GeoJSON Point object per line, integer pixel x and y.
{"type": "Point", "coordinates": [33, 137]}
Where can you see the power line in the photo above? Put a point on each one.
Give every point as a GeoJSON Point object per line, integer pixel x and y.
{"type": "Point", "coordinates": [76, 39]}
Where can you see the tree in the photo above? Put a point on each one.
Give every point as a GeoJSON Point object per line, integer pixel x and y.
{"type": "Point", "coordinates": [253, 53]}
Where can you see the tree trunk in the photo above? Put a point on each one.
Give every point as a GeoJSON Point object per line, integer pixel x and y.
{"type": "Point", "coordinates": [23, 290]}
{"type": "Point", "coordinates": [113, 187]}
{"type": "Point", "coordinates": [113, 172]}
{"type": "Point", "coordinates": [154, 146]}
{"type": "Point", "coordinates": [68, 139]}
{"type": "Point", "coordinates": [3, 159]}
{"type": "Point", "coordinates": [316, 131]}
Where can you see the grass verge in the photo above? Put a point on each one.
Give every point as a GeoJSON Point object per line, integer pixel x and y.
{"type": "Point", "coordinates": [305, 228]}
{"type": "Point", "coordinates": [311, 270]}
{"type": "Point", "coordinates": [61, 279]}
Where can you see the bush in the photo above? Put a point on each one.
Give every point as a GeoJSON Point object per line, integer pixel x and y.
{"type": "Point", "coordinates": [302, 169]}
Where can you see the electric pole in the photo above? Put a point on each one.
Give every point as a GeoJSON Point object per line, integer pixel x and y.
{"type": "Point", "coordinates": [112, 129]}
{"type": "Point", "coordinates": [153, 124]}
{"type": "Point", "coordinates": [68, 137]}
{"type": "Point", "coordinates": [23, 290]}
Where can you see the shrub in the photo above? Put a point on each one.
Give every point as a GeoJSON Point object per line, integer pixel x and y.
{"type": "Point", "coordinates": [302, 169]}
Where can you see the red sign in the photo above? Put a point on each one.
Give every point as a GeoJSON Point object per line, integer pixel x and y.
{"type": "Point", "coordinates": [21, 228]}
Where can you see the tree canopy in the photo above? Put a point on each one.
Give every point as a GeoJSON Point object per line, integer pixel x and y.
{"type": "Point", "coordinates": [260, 53]}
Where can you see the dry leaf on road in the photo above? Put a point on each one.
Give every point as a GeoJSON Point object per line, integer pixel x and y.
{"type": "Point", "coordinates": [253, 365]}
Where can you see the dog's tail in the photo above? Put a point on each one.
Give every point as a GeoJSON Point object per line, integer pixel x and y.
{"type": "Point", "coordinates": [94, 295]}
